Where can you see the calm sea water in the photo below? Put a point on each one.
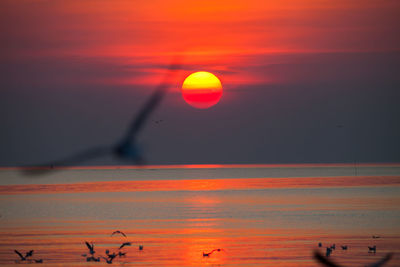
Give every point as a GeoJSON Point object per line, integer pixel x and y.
{"type": "Point", "coordinates": [258, 214]}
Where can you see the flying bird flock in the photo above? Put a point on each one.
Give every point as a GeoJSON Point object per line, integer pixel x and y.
{"type": "Point", "coordinates": [109, 257]}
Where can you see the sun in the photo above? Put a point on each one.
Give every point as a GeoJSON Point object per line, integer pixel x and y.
{"type": "Point", "coordinates": [202, 89]}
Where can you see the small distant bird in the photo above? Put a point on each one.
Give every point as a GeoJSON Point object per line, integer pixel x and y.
{"type": "Point", "coordinates": [92, 258]}
{"type": "Point", "coordinates": [111, 256]}
{"type": "Point", "coordinates": [125, 244]}
{"type": "Point", "coordinates": [140, 247]}
{"type": "Point", "coordinates": [90, 247]}
{"type": "Point", "coordinates": [121, 254]}
{"type": "Point", "coordinates": [20, 255]}
{"type": "Point", "coordinates": [328, 251]}
{"type": "Point", "coordinates": [108, 260]}
{"type": "Point", "coordinates": [118, 232]}
{"type": "Point", "coordinates": [319, 244]}
{"type": "Point", "coordinates": [211, 252]}
{"type": "Point", "coordinates": [372, 249]}
{"type": "Point", "coordinates": [27, 255]}
{"type": "Point", "coordinates": [344, 247]}
{"type": "Point", "coordinates": [333, 246]}
{"type": "Point", "coordinates": [39, 261]}
{"type": "Point", "coordinates": [375, 236]}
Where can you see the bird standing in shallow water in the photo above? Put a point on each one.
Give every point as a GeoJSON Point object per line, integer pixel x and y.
{"type": "Point", "coordinates": [328, 252]}
{"type": "Point", "coordinates": [372, 249]}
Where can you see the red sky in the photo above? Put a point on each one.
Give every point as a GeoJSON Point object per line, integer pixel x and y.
{"type": "Point", "coordinates": [75, 72]}
{"type": "Point", "coordinates": [222, 36]}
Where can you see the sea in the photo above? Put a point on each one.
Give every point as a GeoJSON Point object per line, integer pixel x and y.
{"type": "Point", "coordinates": [245, 215]}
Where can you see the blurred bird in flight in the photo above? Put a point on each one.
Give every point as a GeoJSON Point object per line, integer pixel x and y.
{"type": "Point", "coordinates": [330, 263]}
{"type": "Point", "coordinates": [127, 147]}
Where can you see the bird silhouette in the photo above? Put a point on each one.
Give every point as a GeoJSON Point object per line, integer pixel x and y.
{"type": "Point", "coordinates": [372, 249]}
{"type": "Point", "coordinates": [20, 255]}
{"type": "Point", "coordinates": [110, 257]}
{"type": "Point", "coordinates": [27, 255]}
{"type": "Point", "coordinates": [344, 247]}
{"type": "Point", "coordinates": [121, 254]}
{"type": "Point", "coordinates": [328, 252]}
{"type": "Point", "coordinates": [113, 255]}
{"type": "Point", "coordinates": [90, 247]}
{"type": "Point", "coordinates": [108, 260]}
{"type": "Point", "coordinates": [127, 147]}
{"type": "Point", "coordinates": [211, 252]}
{"type": "Point", "coordinates": [330, 263]}
{"type": "Point", "coordinates": [118, 232]}
{"type": "Point", "coordinates": [92, 258]}
{"type": "Point", "coordinates": [140, 247]}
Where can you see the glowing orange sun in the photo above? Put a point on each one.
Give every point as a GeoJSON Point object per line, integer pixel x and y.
{"type": "Point", "coordinates": [202, 89]}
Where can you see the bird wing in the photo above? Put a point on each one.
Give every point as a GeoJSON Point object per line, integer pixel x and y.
{"type": "Point", "coordinates": [382, 261]}
{"type": "Point", "coordinates": [19, 254]}
{"type": "Point", "coordinates": [88, 245]}
{"type": "Point", "coordinates": [80, 157]}
{"type": "Point", "coordinates": [118, 232]}
{"type": "Point", "coordinates": [125, 244]}
{"type": "Point", "coordinates": [324, 260]}
{"type": "Point", "coordinates": [151, 103]}
{"type": "Point", "coordinates": [28, 254]}
{"type": "Point", "coordinates": [134, 128]}
{"type": "Point", "coordinates": [72, 160]}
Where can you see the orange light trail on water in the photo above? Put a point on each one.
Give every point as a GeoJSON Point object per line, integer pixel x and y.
{"type": "Point", "coordinates": [203, 185]}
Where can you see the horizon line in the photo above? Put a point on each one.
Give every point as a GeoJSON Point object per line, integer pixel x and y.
{"type": "Point", "coordinates": [201, 166]}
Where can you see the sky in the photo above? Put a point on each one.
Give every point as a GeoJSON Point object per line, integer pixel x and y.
{"type": "Point", "coordinates": [304, 81]}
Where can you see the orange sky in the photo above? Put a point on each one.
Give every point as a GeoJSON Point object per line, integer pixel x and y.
{"type": "Point", "coordinates": [223, 36]}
